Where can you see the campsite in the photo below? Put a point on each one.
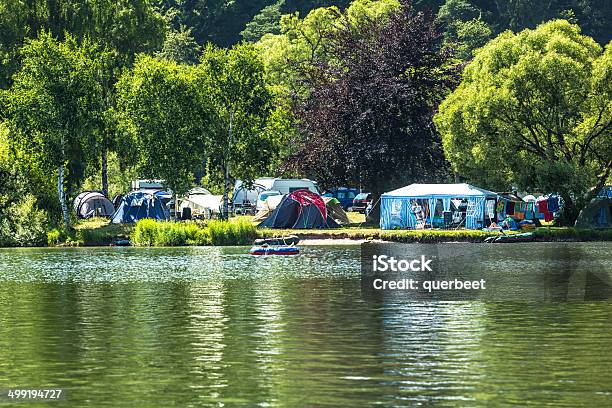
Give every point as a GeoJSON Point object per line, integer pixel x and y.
{"type": "Point", "coordinates": [427, 213]}
{"type": "Point", "coordinates": [305, 203]}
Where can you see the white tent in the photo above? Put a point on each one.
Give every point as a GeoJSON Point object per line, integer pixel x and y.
{"type": "Point", "coordinates": [202, 202]}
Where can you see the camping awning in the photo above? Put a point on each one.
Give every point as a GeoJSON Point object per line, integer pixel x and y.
{"type": "Point", "coordinates": [439, 190]}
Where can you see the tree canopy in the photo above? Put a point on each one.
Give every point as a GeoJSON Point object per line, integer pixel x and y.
{"type": "Point", "coordinates": [54, 106]}
{"type": "Point", "coordinates": [534, 111]}
{"type": "Point", "coordinates": [367, 120]}
{"type": "Point", "coordinates": [166, 117]}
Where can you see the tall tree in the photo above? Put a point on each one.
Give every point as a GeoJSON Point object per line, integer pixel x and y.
{"type": "Point", "coordinates": [53, 106]}
{"type": "Point", "coordinates": [167, 119]}
{"type": "Point", "coordinates": [464, 28]}
{"type": "Point", "coordinates": [180, 46]}
{"type": "Point", "coordinates": [243, 145]}
{"type": "Point", "coordinates": [266, 22]}
{"type": "Point", "coordinates": [533, 112]}
{"type": "Point", "coordinates": [368, 117]}
{"type": "Point", "coordinates": [304, 41]}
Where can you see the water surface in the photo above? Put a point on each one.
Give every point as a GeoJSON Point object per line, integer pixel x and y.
{"type": "Point", "coordinates": [190, 327]}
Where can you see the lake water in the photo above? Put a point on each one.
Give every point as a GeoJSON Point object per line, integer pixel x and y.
{"type": "Point", "coordinates": [191, 327]}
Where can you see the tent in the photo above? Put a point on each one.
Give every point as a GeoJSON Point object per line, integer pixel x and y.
{"type": "Point", "coordinates": [418, 205]}
{"type": "Point", "coordinates": [269, 205]}
{"type": "Point", "coordinates": [202, 202]}
{"type": "Point", "coordinates": [597, 214]}
{"type": "Point", "coordinates": [335, 210]}
{"type": "Point", "coordinates": [137, 205]}
{"type": "Point", "coordinates": [92, 204]}
{"type": "Point", "coordinates": [302, 209]}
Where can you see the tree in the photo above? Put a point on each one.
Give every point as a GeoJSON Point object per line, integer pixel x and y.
{"type": "Point", "coordinates": [368, 118]}
{"type": "Point", "coordinates": [243, 143]}
{"type": "Point", "coordinates": [303, 41]}
{"type": "Point", "coordinates": [53, 107]}
{"type": "Point", "coordinates": [465, 30]}
{"type": "Point", "coordinates": [127, 26]}
{"type": "Point", "coordinates": [180, 46]}
{"type": "Point", "coordinates": [266, 22]}
{"type": "Point", "coordinates": [533, 112]}
{"type": "Point", "coordinates": [166, 117]}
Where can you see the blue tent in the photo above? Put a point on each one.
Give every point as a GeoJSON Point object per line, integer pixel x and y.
{"type": "Point", "coordinates": [422, 204]}
{"type": "Point", "coordinates": [138, 205]}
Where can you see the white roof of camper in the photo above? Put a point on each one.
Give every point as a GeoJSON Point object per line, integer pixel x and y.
{"type": "Point", "coordinates": [448, 190]}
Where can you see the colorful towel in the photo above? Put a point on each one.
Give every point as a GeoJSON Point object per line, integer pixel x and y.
{"type": "Point", "coordinates": [553, 203]}
{"type": "Point", "coordinates": [500, 206]}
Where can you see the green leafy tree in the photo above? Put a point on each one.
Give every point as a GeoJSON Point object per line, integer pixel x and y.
{"type": "Point", "coordinates": [180, 46]}
{"type": "Point", "coordinates": [304, 41]}
{"type": "Point", "coordinates": [533, 112]}
{"type": "Point", "coordinates": [242, 140]}
{"type": "Point", "coordinates": [52, 107]}
{"type": "Point", "coordinates": [266, 22]}
{"type": "Point", "coordinates": [127, 26]}
{"type": "Point", "coordinates": [465, 30]}
{"type": "Point", "coordinates": [167, 119]}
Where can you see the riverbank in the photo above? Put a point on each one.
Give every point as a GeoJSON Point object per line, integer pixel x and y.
{"type": "Point", "coordinates": [240, 231]}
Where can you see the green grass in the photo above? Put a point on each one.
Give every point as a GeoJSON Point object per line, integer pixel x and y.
{"type": "Point", "coordinates": [93, 232]}
{"type": "Point", "coordinates": [241, 231]}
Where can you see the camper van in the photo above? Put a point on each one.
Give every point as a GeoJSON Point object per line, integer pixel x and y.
{"type": "Point", "coordinates": [148, 186]}
{"type": "Point", "coordinates": [245, 199]}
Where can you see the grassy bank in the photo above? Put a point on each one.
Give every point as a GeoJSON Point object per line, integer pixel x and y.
{"type": "Point", "coordinates": [241, 231]}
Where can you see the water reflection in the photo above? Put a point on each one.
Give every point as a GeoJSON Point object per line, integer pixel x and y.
{"type": "Point", "coordinates": [212, 327]}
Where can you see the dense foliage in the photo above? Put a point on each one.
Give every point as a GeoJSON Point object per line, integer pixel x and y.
{"type": "Point", "coordinates": [368, 117]}
{"type": "Point", "coordinates": [534, 111]}
{"type": "Point", "coordinates": [94, 93]}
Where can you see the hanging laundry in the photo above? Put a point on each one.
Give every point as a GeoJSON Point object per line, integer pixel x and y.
{"type": "Point", "coordinates": [529, 213]}
{"type": "Point", "coordinates": [553, 203]}
{"type": "Point", "coordinates": [500, 206]}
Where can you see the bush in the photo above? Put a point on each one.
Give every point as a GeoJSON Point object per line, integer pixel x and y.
{"type": "Point", "coordinates": [156, 233]}
{"type": "Point", "coordinates": [240, 232]}
{"type": "Point", "coordinates": [23, 223]}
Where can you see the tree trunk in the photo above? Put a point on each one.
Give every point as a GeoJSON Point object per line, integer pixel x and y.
{"type": "Point", "coordinates": [570, 211]}
{"type": "Point", "coordinates": [62, 197]}
{"type": "Point", "coordinates": [105, 172]}
{"type": "Point", "coordinates": [226, 183]}
{"type": "Point", "coordinates": [226, 187]}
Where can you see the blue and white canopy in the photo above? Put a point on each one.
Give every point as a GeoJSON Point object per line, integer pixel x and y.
{"type": "Point", "coordinates": [396, 207]}
{"type": "Point", "coordinates": [462, 190]}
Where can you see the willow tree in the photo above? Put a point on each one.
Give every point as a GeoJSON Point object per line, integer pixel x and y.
{"type": "Point", "coordinates": [534, 112]}
{"type": "Point", "coordinates": [54, 108]}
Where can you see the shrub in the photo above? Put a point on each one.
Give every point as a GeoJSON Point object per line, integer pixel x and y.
{"type": "Point", "coordinates": [24, 224]}
{"type": "Point", "coordinates": [156, 233]}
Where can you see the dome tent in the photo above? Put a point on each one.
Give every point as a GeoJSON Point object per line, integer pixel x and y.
{"type": "Point", "coordinates": [137, 205]}
{"type": "Point", "coordinates": [90, 204]}
{"type": "Point", "coordinates": [302, 209]}
{"type": "Point", "coordinates": [597, 214]}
